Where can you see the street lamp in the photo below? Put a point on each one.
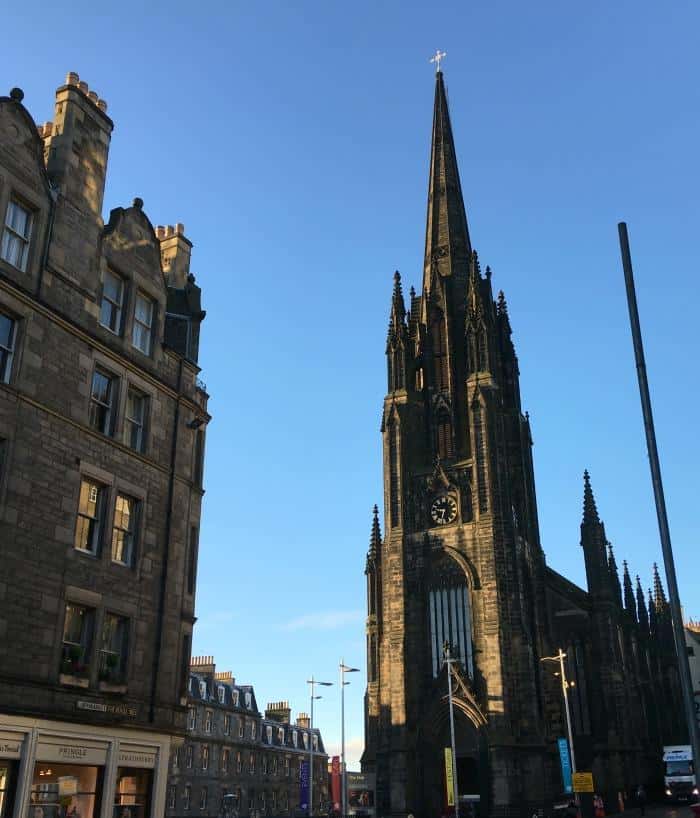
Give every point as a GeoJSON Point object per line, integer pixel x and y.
{"type": "Point", "coordinates": [343, 780]}
{"type": "Point", "coordinates": [565, 690]}
{"type": "Point", "coordinates": [449, 661]}
{"type": "Point", "coordinates": [312, 682]}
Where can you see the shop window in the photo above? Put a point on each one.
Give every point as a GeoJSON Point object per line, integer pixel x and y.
{"type": "Point", "coordinates": [143, 323]}
{"type": "Point", "coordinates": [135, 420]}
{"type": "Point", "coordinates": [114, 649]}
{"type": "Point", "coordinates": [8, 331]}
{"type": "Point", "coordinates": [16, 235]}
{"type": "Point", "coordinates": [65, 790]}
{"type": "Point", "coordinates": [227, 725]}
{"type": "Point", "coordinates": [172, 796]}
{"type": "Point", "coordinates": [112, 303]}
{"type": "Point", "coordinates": [203, 798]}
{"type": "Point", "coordinates": [207, 721]}
{"type": "Point", "coordinates": [103, 400]}
{"type": "Point", "coordinates": [189, 756]}
{"type": "Point", "coordinates": [132, 796]}
{"type": "Point", "coordinates": [77, 640]}
{"type": "Point", "coordinates": [8, 782]}
{"type": "Point", "coordinates": [124, 529]}
{"type": "Point", "coordinates": [88, 528]}
{"type": "Point", "coordinates": [192, 722]}
{"type": "Point", "coordinates": [187, 797]}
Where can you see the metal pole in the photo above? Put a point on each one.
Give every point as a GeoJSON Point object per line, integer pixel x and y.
{"type": "Point", "coordinates": [564, 686]}
{"type": "Point", "coordinates": [448, 662]}
{"type": "Point", "coordinates": [664, 533]}
{"type": "Point", "coordinates": [311, 751]}
{"type": "Point", "coordinates": [343, 790]}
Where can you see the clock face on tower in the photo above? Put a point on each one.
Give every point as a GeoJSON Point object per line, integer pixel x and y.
{"type": "Point", "coordinates": [443, 510]}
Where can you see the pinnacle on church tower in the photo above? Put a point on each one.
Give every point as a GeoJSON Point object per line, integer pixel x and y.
{"type": "Point", "coordinates": [614, 575]}
{"type": "Point", "coordinates": [590, 512]}
{"type": "Point", "coordinates": [447, 243]}
{"type": "Point", "coordinates": [375, 539]}
{"type": "Point", "coordinates": [642, 614]}
{"type": "Point", "coordinates": [659, 594]}
{"type": "Point", "coordinates": [398, 308]}
{"type": "Point", "coordinates": [630, 605]}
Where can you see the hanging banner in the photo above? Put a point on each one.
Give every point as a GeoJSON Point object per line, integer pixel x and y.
{"type": "Point", "coordinates": [449, 778]}
{"type": "Point", "coordinates": [565, 760]}
{"type": "Point", "coordinates": [335, 782]}
{"type": "Point", "coordinates": [304, 786]}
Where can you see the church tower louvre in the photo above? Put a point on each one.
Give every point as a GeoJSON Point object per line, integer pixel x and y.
{"type": "Point", "coordinates": [460, 561]}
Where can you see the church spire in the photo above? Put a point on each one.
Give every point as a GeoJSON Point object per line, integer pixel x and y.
{"type": "Point", "coordinates": [614, 576]}
{"type": "Point", "coordinates": [659, 595]}
{"type": "Point", "coordinates": [590, 512]}
{"type": "Point", "coordinates": [447, 244]}
{"type": "Point", "coordinates": [398, 308]}
{"type": "Point", "coordinates": [642, 614]}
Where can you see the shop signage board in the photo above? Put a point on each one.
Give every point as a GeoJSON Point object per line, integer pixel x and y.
{"type": "Point", "coordinates": [449, 780]}
{"type": "Point", "coordinates": [137, 757]}
{"type": "Point", "coordinates": [565, 761]}
{"type": "Point", "coordinates": [583, 782]}
{"type": "Point", "coordinates": [10, 744]}
{"type": "Point", "coordinates": [360, 793]}
{"type": "Point", "coordinates": [71, 753]}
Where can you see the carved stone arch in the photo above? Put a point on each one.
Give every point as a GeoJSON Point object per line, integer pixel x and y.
{"type": "Point", "coordinates": [466, 565]}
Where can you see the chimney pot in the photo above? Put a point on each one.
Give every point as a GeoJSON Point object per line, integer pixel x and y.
{"type": "Point", "coordinates": [180, 228]}
{"type": "Point", "coordinates": [72, 78]}
{"type": "Point", "coordinates": [84, 87]}
{"type": "Point", "coordinates": [102, 105]}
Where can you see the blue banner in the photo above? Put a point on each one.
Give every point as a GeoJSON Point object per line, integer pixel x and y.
{"type": "Point", "coordinates": [304, 786]}
{"type": "Point", "coordinates": [565, 764]}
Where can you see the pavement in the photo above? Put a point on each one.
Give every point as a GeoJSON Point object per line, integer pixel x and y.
{"type": "Point", "coordinates": [659, 811]}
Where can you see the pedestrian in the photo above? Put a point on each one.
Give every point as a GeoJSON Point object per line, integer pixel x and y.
{"type": "Point", "coordinates": [641, 798]}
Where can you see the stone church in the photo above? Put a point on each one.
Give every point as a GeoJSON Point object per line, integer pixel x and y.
{"type": "Point", "coordinates": [461, 563]}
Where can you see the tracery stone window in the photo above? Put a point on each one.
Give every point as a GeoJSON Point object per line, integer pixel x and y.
{"type": "Point", "coordinates": [449, 611]}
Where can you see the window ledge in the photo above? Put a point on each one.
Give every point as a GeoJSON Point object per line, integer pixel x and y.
{"type": "Point", "coordinates": [109, 687]}
{"type": "Point", "coordinates": [73, 681]}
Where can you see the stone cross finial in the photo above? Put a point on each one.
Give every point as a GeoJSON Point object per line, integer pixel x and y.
{"type": "Point", "coordinates": [439, 55]}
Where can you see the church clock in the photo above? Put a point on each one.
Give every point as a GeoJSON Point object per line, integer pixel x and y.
{"type": "Point", "coordinates": [443, 510]}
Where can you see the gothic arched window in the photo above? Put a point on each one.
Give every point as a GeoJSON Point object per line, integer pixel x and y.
{"type": "Point", "coordinates": [451, 622]}
{"type": "Point", "coordinates": [483, 351]}
{"type": "Point", "coordinates": [372, 658]}
{"type": "Point", "coordinates": [393, 473]}
{"type": "Point", "coordinates": [442, 378]}
{"type": "Point", "coordinates": [444, 436]}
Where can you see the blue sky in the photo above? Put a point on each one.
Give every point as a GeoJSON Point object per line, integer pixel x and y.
{"type": "Point", "coordinates": [292, 140]}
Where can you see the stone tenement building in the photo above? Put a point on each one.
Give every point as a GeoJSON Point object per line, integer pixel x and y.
{"type": "Point", "coordinates": [102, 423]}
{"type": "Point", "coordinates": [234, 760]}
{"type": "Point", "coordinates": [461, 562]}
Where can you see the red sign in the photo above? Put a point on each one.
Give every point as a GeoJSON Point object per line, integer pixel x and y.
{"type": "Point", "coordinates": [335, 782]}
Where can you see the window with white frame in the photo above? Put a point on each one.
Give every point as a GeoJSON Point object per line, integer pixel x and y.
{"type": "Point", "coordinates": [253, 731]}
{"type": "Point", "coordinates": [286, 766]}
{"type": "Point", "coordinates": [295, 738]}
{"type": "Point", "coordinates": [274, 765]}
{"type": "Point", "coordinates": [88, 527]}
{"type": "Point", "coordinates": [187, 797]}
{"type": "Point", "coordinates": [103, 395]}
{"type": "Point", "coordinates": [239, 762]}
{"type": "Point", "coordinates": [8, 330]}
{"type": "Point", "coordinates": [221, 691]}
{"type": "Point", "coordinates": [305, 739]}
{"type": "Point", "coordinates": [251, 766]}
{"type": "Point", "coordinates": [135, 419]}
{"type": "Point", "coordinates": [205, 757]}
{"type": "Point", "coordinates": [192, 718]}
{"type": "Point", "coordinates": [241, 728]}
{"type": "Point", "coordinates": [224, 761]}
{"type": "Point", "coordinates": [16, 235]}
{"type": "Point", "coordinates": [202, 688]}
{"type": "Point", "coordinates": [207, 721]}
{"type": "Point", "coordinates": [203, 799]}
{"type": "Point", "coordinates": [143, 323]}
{"type": "Point", "coordinates": [268, 733]}
{"type": "Point", "coordinates": [280, 735]}
{"type": "Point", "coordinates": [171, 796]}
{"type": "Point", "coordinates": [262, 800]}
{"type": "Point", "coordinates": [112, 302]}
{"type": "Point", "coordinates": [248, 700]}
{"type": "Point", "coordinates": [114, 648]}
{"type": "Point", "coordinates": [273, 800]}
{"type": "Point", "coordinates": [263, 764]}
{"type": "Point", "coordinates": [315, 743]}
{"type": "Point", "coordinates": [189, 757]}
{"type": "Point", "coordinates": [234, 697]}
{"type": "Point", "coordinates": [124, 529]}
{"type": "Point", "coordinates": [227, 725]}
{"type": "Point", "coordinates": [176, 758]}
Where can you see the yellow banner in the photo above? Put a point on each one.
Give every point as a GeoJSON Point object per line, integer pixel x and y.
{"type": "Point", "coordinates": [583, 782]}
{"type": "Point", "coordinates": [448, 778]}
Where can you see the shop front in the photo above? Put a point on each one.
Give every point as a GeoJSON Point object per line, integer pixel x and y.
{"type": "Point", "coordinates": [81, 771]}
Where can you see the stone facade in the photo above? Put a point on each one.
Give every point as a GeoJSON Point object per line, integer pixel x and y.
{"type": "Point", "coordinates": [237, 761]}
{"type": "Point", "coordinates": [461, 564]}
{"type": "Point", "coordinates": [102, 424]}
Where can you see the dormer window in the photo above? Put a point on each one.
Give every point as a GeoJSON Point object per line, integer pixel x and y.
{"type": "Point", "coordinates": [305, 737]}
{"type": "Point", "coordinates": [234, 698]}
{"type": "Point", "coordinates": [248, 700]}
{"type": "Point", "coordinates": [16, 235]}
{"type": "Point", "coordinates": [280, 735]}
{"type": "Point", "coordinates": [268, 734]}
{"type": "Point", "coordinates": [143, 323]}
{"type": "Point", "coordinates": [295, 738]}
{"type": "Point", "coordinates": [221, 691]}
{"type": "Point", "coordinates": [202, 689]}
{"type": "Point", "coordinates": [315, 743]}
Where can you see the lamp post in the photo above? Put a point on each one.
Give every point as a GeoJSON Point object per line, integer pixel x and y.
{"type": "Point", "coordinates": [312, 682]}
{"type": "Point", "coordinates": [565, 691]}
{"type": "Point", "coordinates": [343, 779]}
{"type": "Point", "coordinates": [449, 661]}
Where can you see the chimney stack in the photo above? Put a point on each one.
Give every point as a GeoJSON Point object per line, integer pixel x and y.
{"type": "Point", "coordinates": [303, 721]}
{"type": "Point", "coordinates": [175, 251]}
{"type": "Point", "coordinates": [204, 665]}
{"type": "Point", "coordinates": [279, 711]}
